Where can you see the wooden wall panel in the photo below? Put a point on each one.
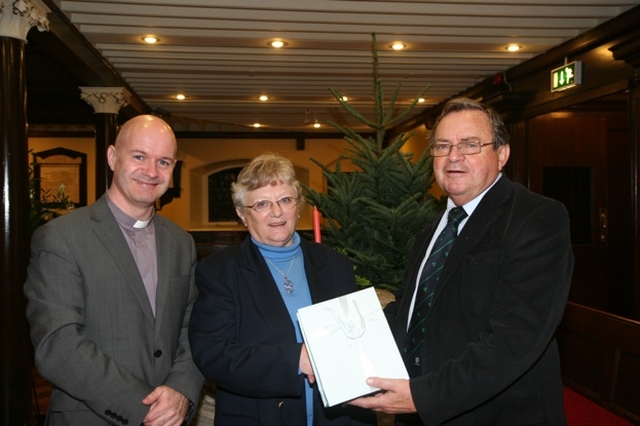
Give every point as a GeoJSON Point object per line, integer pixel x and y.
{"type": "Point", "coordinates": [600, 355]}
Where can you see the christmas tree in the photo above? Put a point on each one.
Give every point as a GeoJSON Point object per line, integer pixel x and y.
{"type": "Point", "coordinates": [373, 214]}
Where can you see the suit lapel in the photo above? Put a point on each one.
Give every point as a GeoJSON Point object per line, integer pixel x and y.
{"type": "Point", "coordinates": [418, 252]}
{"type": "Point", "coordinates": [164, 249]}
{"type": "Point", "coordinates": [318, 289]}
{"type": "Point", "coordinates": [108, 231]}
{"type": "Point", "coordinates": [263, 290]}
{"type": "Point", "coordinates": [489, 211]}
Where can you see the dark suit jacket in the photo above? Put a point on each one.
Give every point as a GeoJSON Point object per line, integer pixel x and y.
{"type": "Point", "coordinates": [490, 356]}
{"type": "Point", "coordinates": [92, 327]}
{"type": "Point", "coordinates": [243, 339]}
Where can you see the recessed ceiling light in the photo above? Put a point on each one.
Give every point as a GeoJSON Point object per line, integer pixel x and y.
{"type": "Point", "coordinates": [398, 45]}
{"type": "Point", "coordinates": [264, 98]}
{"type": "Point", "coordinates": [256, 125]}
{"type": "Point", "coordinates": [180, 97]}
{"type": "Point", "coordinates": [513, 47]}
{"type": "Point", "coordinates": [150, 39]}
{"type": "Point", "coordinates": [345, 98]}
{"type": "Point", "coordinates": [420, 100]}
{"type": "Point", "coordinates": [277, 44]}
{"type": "Point", "coordinates": [317, 125]}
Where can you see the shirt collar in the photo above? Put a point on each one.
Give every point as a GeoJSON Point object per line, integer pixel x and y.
{"type": "Point", "coordinates": [471, 205]}
{"type": "Point", "coordinates": [126, 220]}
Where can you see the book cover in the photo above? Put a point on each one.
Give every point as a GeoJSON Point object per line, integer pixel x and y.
{"type": "Point", "coordinates": [348, 340]}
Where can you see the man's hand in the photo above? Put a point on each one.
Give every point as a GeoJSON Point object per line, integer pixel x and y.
{"type": "Point", "coordinates": [168, 407]}
{"type": "Point", "coordinates": [305, 365]}
{"type": "Point", "coordinates": [394, 398]}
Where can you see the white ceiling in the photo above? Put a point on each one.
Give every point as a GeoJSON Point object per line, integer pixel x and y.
{"type": "Point", "coordinates": [216, 52]}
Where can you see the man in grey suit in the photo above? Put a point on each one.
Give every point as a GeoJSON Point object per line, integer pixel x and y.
{"type": "Point", "coordinates": [110, 290]}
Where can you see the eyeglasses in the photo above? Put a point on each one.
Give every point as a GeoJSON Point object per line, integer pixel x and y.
{"type": "Point", "coordinates": [464, 148]}
{"type": "Point", "coordinates": [263, 206]}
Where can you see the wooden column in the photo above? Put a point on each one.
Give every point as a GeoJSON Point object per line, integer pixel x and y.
{"type": "Point", "coordinates": [16, 359]}
{"type": "Point", "coordinates": [106, 103]}
{"type": "Point", "coordinates": [634, 139]}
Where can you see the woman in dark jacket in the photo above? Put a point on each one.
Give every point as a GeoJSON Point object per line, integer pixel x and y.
{"type": "Point", "coordinates": [243, 332]}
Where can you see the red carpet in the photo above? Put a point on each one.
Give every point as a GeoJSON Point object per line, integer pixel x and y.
{"type": "Point", "coordinates": [581, 411]}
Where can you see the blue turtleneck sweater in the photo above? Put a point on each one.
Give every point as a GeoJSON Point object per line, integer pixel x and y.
{"type": "Point", "coordinates": [289, 261]}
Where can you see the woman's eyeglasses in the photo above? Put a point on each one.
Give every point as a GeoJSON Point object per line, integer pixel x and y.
{"type": "Point", "coordinates": [263, 206]}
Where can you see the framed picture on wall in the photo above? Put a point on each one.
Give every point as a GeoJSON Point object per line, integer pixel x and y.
{"type": "Point", "coordinates": [61, 169]}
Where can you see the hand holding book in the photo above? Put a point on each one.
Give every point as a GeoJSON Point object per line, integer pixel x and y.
{"type": "Point", "coordinates": [305, 365]}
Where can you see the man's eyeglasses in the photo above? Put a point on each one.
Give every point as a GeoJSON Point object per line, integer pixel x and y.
{"type": "Point", "coordinates": [464, 148]}
{"type": "Point", "coordinates": [263, 206]}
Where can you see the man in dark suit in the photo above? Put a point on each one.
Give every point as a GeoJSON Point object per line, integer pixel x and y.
{"type": "Point", "coordinates": [110, 289]}
{"type": "Point", "coordinates": [488, 356]}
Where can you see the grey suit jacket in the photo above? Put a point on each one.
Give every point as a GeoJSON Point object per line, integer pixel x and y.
{"type": "Point", "coordinates": [94, 334]}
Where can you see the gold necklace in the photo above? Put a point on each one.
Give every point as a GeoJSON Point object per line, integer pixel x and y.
{"type": "Point", "coordinates": [286, 284]}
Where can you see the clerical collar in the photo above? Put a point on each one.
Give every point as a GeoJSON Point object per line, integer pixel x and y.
{"type": "Point", "coordinates": [125, 219]}
{"type": "Point", "coordinates": [141, 223]}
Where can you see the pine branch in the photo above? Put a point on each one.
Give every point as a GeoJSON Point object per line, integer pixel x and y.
{"type": "Point", "coordinates": [373, 214]}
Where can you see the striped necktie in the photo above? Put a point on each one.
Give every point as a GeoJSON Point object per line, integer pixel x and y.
{"type": "Point", "coordinates": [426, 289]}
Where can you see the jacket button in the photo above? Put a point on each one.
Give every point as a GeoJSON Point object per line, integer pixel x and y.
{"type": "Point", "coordinates": [157, 353]}
{"type": "Point", "coordinates": [107, 412]}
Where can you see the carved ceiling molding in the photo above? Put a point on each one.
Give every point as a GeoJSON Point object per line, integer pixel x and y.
{"type": "Point", "coordinates": [628, 51]}
{"type": "Point", "coordinates": [106, 100]}
{"type": "Point", "coordinates": [18, 17]}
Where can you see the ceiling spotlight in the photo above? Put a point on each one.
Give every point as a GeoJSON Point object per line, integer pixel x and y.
{"type": "Point", "coordinates": [180, 97]}
{"type": "Point", "coordinates": [345, 98]}
{"type": "Point", "coordinates": [317, 125]}
{"type": "Point", "coordinates": [150, 39]}
{"type": "Point", "coordinates": [398, 45]}
{"type": "Point", "coordinates": [277, 44]}
{"type": "Point", "coordinates": [513, 47]}
{"type": "Point", "coordinates": [264, 98]}
{"type": "Point", "coordinates": [256, 125]}
{"type": "Point", "coordinates": [420, 100]}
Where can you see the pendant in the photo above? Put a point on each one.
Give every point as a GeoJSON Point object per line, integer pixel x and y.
{"type": "Point", "coordinates": [288, 285]}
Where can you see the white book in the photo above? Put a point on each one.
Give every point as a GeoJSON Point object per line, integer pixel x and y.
{"type": "Point", "coordinates": [348, 340]}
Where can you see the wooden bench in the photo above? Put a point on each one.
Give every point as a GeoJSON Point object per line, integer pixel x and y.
{"type": "Point", "coordinates": [208, 242]}
{"type": "Point", "coordinates": [600, 355]}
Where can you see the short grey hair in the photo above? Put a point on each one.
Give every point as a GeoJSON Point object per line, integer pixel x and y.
{"type": "Point", "coordinates": [266, 169]}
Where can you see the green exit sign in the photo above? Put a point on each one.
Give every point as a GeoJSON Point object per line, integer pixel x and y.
{"type": "Point", "coordinates": [567, 76]}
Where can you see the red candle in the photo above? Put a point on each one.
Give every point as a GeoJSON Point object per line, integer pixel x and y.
{"type": "Point", "coordinates": [316, 225]}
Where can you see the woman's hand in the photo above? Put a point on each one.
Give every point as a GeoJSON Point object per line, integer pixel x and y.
{"type": "Point", "coordinates": [305, 365]}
